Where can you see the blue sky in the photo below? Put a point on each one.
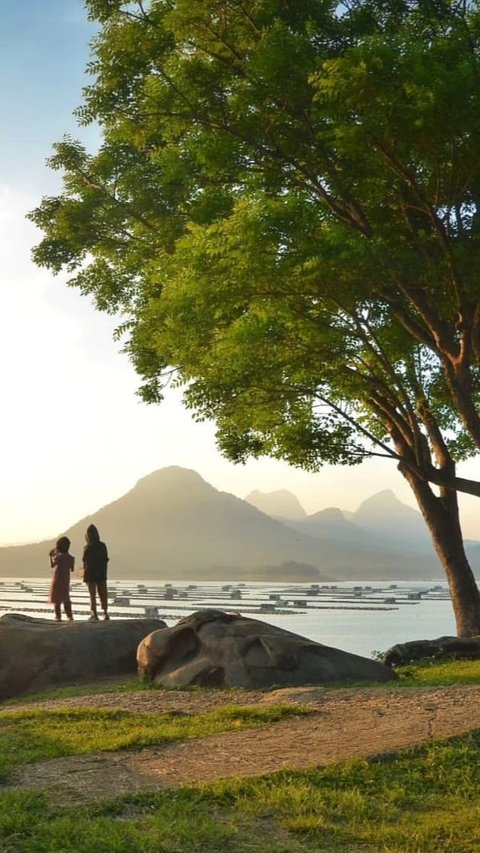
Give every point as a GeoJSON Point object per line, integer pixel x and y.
{"type": "Point", "coordinates": [43, 54]}
{"type": "Point", "coordinates": [58, 358]}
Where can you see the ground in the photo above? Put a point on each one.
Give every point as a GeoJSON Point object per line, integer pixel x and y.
{"type": "Point", "coordinates": [343, 724]}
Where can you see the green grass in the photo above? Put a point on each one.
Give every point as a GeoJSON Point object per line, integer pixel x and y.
{"type": "Point", "coordinates": [425, 800]}
{"type": "Point", "coordinates": [28, 736]}
{"type": "Point", "coordinates": [439, 672]}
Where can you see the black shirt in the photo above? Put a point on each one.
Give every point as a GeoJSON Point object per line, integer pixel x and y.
{"type": "Point", "coordinates": [95, 559]}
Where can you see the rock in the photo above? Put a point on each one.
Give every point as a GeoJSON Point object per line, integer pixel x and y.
{"type": "Point", "coordinates": [456, 647]}
{"type": "Point", "coordinates": [211, 648]}
{"type": "Point", "coordinates": [39, 653]}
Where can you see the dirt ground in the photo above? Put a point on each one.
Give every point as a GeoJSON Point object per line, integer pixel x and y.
{"type": "Point", "coordinates": [343, 724]}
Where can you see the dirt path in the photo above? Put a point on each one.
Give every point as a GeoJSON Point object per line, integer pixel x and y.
{"type": "Point", "coordinates": [343, 724]}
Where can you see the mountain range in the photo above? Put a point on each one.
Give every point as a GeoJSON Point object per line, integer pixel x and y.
{"type": "Point", "coordinates": [175, 525]}
{"type": "Point", "coordinates": [381, 522]}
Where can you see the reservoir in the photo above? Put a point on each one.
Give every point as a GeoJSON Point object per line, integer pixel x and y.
{"type": "Point", "coordinates": [364, 619]}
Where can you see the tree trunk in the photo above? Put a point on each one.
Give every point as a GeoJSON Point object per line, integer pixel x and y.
{"type": "Point", "coordinates": [442, 518]}
{"type": "Point", "coordinates": [460, 385]}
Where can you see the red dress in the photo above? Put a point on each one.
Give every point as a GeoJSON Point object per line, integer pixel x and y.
{"type": "Point", "coordinates": [60, 585]}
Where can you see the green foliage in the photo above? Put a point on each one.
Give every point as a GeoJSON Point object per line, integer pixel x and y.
{"type": "Point", "coordinates": [286, 221]}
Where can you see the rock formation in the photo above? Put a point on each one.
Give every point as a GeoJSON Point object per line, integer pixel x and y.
{"type": "Point", "coordinates": [39, 653]}
{"type": "Point", "coordinates": [211, 648]}
{"type": "Point", "coordinates": [443, 647]}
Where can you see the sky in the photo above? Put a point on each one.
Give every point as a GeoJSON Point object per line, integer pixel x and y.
{"type": "Point", "coordinates": [73, 434]}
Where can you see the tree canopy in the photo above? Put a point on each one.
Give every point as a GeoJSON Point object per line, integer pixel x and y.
{"type": "Point", "coordinates": [285, 210]}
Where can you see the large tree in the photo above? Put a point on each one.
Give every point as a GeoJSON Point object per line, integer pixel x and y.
{"type": "Point", "coordinates": [286, 211]}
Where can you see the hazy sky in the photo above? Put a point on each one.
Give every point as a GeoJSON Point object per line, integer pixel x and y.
{"type": "Point", "coordinates": [59, 363]}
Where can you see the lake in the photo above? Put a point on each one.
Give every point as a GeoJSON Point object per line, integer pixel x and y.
{"type": "Point", "coordinates": [367, 617]}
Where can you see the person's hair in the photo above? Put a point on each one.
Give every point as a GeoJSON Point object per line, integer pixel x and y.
{"type": "Point", "coordinates": [92, 535]}
{"type": "Point", "coordinates": [63, 544]}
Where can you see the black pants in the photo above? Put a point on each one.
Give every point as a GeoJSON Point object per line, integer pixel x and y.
{"type": "Point", "coordinates": [101, 588]}
{"type": "Point", "coordinates": [68, 610]}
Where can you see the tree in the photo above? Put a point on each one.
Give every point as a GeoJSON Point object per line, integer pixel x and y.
{"type": "Point", "coordinates": [285, 209]}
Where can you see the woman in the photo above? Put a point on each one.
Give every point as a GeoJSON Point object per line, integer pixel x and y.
{"type": "Point", "coordinates": [62, 564]}
{"type": "Point", "coordinates": [95, 559]}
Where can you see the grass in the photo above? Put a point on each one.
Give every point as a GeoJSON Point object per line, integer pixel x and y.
{"type": "Point", "coordinates": [418, 801]}
{"type": "Point", "coordinates": [422, 800]}
{"type": "Point", "coordinates": [439, 673]}
{"type": "Point", "coordinates": [28, 736]}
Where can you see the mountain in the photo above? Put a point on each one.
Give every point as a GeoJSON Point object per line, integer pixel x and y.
{"type": "Point", "coordinates": [381, 521]}
{"type": "Point", "coordinates": [281, 504]}
{"type": "Point", "coordinates": [331, 523]}
{"type": "Point", "coordinates": [382, 525]}
{"type": "Point", "coordinates": [174, 525]}
{"type": "Point", "coordinates": [393, 523]}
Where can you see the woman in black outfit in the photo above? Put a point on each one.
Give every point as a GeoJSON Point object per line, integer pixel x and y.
{"type": "Point", "coordinates": [95, 559]}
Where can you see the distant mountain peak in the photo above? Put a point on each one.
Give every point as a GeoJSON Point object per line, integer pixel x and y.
{"type": "Point", "coordinates": [279, 504]}
{"type": "Point", "coordinates": [385, 503]}
{"type": "Point", "coordinates": [388, 519]}
{"type": "Point", "coordinates": [385, 496]}
{"type": "Point", "coordinates": [330, 513]}
{"type": "Point", "coordinates": [173, 480]}
{"type": "Point", "coordinates": [330, 523]}
{"type": "Point", "coordinates": [161, 475]}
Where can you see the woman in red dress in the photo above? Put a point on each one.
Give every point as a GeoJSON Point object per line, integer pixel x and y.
{"type": "Point", "coordinates": [62, 564]}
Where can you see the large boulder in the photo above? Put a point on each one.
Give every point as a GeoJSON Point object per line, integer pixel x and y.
{"type": "Point", "coordinates": [40, 653]}
{"type": "Point", "coordinates": [211, 648]}
{"type": "Point", "coordinates": [442, 647]}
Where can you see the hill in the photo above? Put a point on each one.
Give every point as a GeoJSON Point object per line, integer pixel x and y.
{"type": "Point", "coordinates": [392, 522]}
{"type": "Point", "coordinates": [174, 525]}
{"type": "Point", "coordinates": [331, 523]}
{"type": "Point", "coordinates": [280, 504]}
